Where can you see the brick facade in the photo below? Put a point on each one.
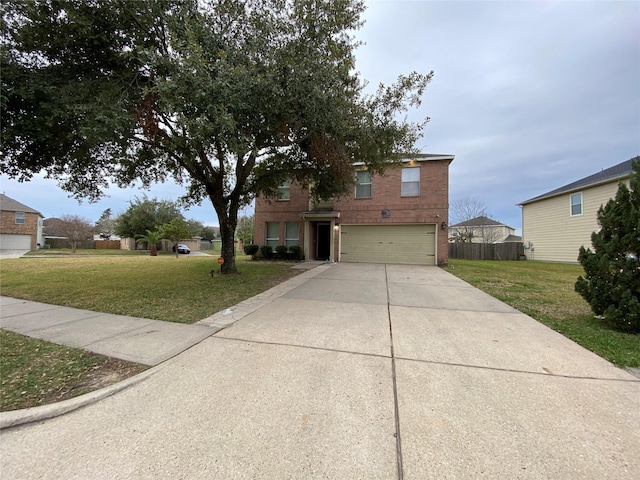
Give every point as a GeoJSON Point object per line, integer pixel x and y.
{"type": "Point", "coordinates": [430, 207]}
{"type": "Point", "coordinates": [8, 225]}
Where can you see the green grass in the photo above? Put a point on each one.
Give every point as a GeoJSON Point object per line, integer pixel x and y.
{"type": "Point", "coordinates": [545, 291]}
{"type": "Point", "coordinates": [35, 373]}
{"type": "Point", "coordinates": [162, 288]}
{"type": "Point", "coordinates": [46, 252]}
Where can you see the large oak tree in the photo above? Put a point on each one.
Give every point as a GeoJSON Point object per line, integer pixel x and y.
{"type": "Point", "coordinates": [227, 97]}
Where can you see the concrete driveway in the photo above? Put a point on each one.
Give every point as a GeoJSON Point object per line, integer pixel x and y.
{"type": "Point", "coordinates": [12, 253]}
{"type": "Point", "coordinates": [361, 371]}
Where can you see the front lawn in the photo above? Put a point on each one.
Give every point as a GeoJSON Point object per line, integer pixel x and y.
{"type": "Point", "coordinates": [545, 291]}
{"type": "Point", "coordinates": [161, 288]}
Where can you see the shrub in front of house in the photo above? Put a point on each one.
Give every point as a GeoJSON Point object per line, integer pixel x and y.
{"type": "Point", "coordinates": [251, 249]}
{"type": "Point", "coordinates": [266, 251]}
{"type": "Point", "coordinates": [281, 252]}
{"type": "Point", "coordinates": [295, 252]}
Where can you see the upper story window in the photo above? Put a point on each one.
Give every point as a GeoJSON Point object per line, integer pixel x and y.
{"type": "Point", "coordinates": [19, 218]}
{"type": "Point", "coordinates": [363, 184]}
{"type": "Point", "coordinates": [576, 204]}
{"type": "Point", "coordinates": [410, 182]}
{"type": "Point", "coordinates": [284, 190]}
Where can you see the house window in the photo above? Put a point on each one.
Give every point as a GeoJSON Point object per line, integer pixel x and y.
{"type": "Point", "coordinates": [576, 204]}
{"type": "Point", "coordinates": [284, 191]}
{"type": "Point", "coordinates": [411, 182]}
{"type": "Point", "coordinates": [363, 184]}
{"type": "Point", "coordinates": [291, 234]}
{"type": "Point", "coordinates": [273, 234]}
{"type": "Point", "coordinates": [19, 218]}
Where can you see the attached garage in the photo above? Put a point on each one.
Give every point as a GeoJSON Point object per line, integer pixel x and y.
{"type": "Point", "coordinates": [15, 242]}
{"type": "Point", "coordinates": [405, 244]}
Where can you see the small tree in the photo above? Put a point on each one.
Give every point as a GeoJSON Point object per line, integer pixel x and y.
{"type": "Point", "coordinates": [244, 230]}
{"type": "Point", "coordinates": [151, 238]}
{"type": "Point", "coordinates": [146, 214]}
{"type": "Point", "coordinates": [174, 231]}
{"type": "Point", "coordinates": [76, 229]}
{"type": "Point", "coordinates": [106, 224]}
{"type": "Point", "coordinates": [611, 283]}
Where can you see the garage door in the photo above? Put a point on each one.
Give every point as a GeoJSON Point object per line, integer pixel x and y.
{"type": "Point", "coordinates": [15, 242]}
{"type": "Point", "coordinates": [408, 244]}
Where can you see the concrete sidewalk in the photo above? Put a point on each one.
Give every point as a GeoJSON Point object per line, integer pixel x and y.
{"type": "Point", "coordinates": [359, 371]}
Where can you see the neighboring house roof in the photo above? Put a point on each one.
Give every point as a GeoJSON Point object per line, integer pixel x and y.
{"type": "Point", "coordinates": [617, 172]}
{"type": "Point", "coordinates": [421, 157]}
{"type": "Point", "coordinates": [52, 227]}
{"type": "Point", "coordinates": [513, 238]}
{"type": "Point", "coordinates": [8, 204]}
{"type": "Point", "coordinates": [480, 222]}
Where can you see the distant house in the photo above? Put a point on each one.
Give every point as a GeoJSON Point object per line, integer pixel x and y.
{"type": "Point", "coordinates": [20, 225]}
{"type": "Point", "coordinates": [399, 217]}
{"type": "Point", "coordinates": [557, 223]}
{"type": "Point", "coordinates": [482, 230]}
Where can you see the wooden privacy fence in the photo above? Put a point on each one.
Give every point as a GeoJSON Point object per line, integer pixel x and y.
{"type": "Point", "coordinates": [486, 251]}
{"type": "Point", "coordinates": [108, 244]}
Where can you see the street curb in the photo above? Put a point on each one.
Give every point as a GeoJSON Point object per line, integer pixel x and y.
{"type": "Point", "coordinates": [15, 418]}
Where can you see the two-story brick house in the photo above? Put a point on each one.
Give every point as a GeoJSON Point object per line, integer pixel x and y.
{"type": "Point", "coordinates": [20, 225]}
{"type": "Point", "coordinates": [399, 217]}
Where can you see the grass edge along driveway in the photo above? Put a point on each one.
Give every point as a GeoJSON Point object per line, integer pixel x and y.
{"type": "Point", "coordinates": [545, 292]}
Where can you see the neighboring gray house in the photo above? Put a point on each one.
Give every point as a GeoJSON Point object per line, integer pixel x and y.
{"type": "Point", "coordinates": [557, 223]}
{"type": "Point", "coordinates": [482, 230]}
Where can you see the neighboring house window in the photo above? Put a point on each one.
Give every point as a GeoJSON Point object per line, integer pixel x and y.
{"type": "Point", "coordinates": [576, 204]}
{"type": "Point", "coordinates": [20, 218]}
{"type": "Point", "coordinates": [291, 234]}
{"type": "Point", "coordinates": [363, 184]}
{"type": "Point", "coordinates": [411, 182]}
{"type": "Point", "coordinates": [284, 191]}
{"type": "Point", "coordinates": [273, 234]}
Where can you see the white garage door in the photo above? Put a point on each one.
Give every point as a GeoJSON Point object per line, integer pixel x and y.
{"type": "Point", "coordinates": [15, 242]}
{"type": "Point", "coordinates": [408, 244]}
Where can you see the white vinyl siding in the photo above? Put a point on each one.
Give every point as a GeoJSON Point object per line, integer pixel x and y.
{"type": "Point", "coordinates": [556, 236]}
{"type": "Point", "coordinates": [363, 184]}
{"type": "Point", "coordinates": [411, 182]}
{"type": "Point", "coordinates": [404, 244]}
{"type": "Point", "coordinates": [292, 234]}
{"type": "Point", "coordinates": [273, 234]}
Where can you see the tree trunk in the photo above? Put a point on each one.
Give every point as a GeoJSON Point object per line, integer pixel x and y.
{"type": "Point", "coordinates": [153, 250]}
{"type": "Point", "coordinates": [227, 232]}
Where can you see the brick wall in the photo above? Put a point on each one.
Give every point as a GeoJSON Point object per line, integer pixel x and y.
{"type": "Point", "coordinates": [29, 227]}
{"type": "Point", "coordinates": [432, 206]}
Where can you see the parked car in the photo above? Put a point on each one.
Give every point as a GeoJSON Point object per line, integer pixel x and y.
{"type": "Point", "coordinates": [183, 249]}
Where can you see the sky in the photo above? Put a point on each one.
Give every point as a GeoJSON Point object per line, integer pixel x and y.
{"type": "Point", "coordinates": [528, 96]}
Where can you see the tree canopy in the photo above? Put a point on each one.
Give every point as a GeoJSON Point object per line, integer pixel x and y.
{"type": "Point", "coordinates": [146, 214]}
{"type": "Point", "coordinates": [611, 283]}
{"type": "Point", "coordinates": [227, 97]}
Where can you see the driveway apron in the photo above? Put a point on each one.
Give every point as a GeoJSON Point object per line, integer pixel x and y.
{"type": "Point", "coordinates": [362, 371]}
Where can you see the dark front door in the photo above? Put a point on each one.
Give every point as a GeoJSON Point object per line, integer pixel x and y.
{"type": "Point", "coordinates": [323, 241]}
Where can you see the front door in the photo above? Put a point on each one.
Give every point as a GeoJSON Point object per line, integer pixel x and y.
{"type": "Point", "coordinates": [323, 243]}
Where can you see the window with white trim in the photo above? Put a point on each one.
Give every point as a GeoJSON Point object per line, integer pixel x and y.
{"type": "Point", "coordinates": [291, 234]}
{"type": "Point", "coordinates": [273, 234]}
{"type": "Point", "coordinates": [284, 191]}
{"type": "Point", "coordinates": [363, 184]}
{"type": "Point", "coordinates": [19, 218]}
{"type": "Point", "coordinates": [410, 182]}
{"type": "Point", "coordinates": [576, 204]}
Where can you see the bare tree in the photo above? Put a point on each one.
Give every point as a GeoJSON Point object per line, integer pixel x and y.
{"type": "Point", "coordinates": [463, 210]}
{"type": "Point", "coordinates": [77, 229]}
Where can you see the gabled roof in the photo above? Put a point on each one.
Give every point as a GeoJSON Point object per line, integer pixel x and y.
{"type": "Point", "coordinates": [611, 174]}
{"type": "Point", "coordinates": [10, 205]}
{"type": "Point", "coordinates": [480, 222]}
